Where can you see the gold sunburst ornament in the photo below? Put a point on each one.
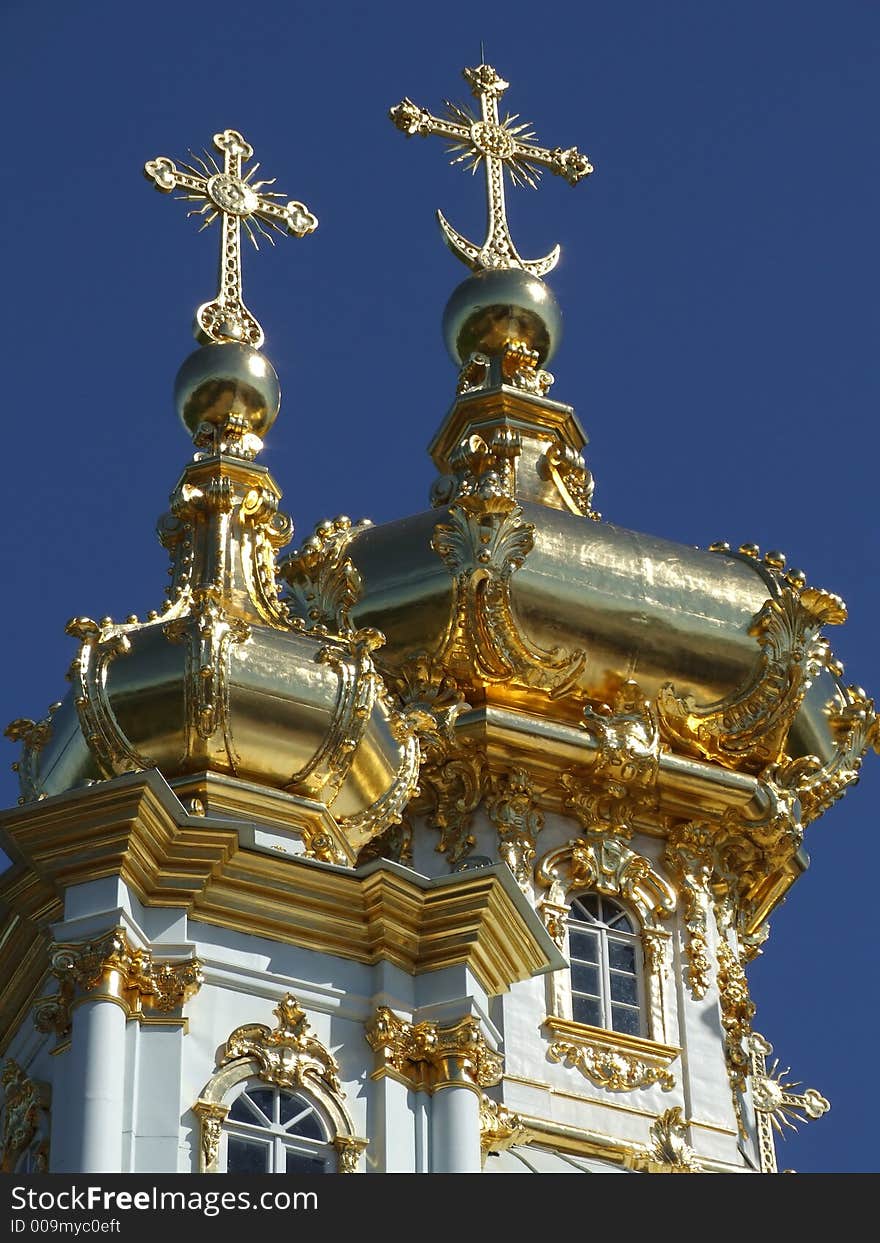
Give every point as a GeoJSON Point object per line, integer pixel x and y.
{"type": "Point", "coordinates": [238, 200]}
{"type": "Point", "coordinates": [499, 146]}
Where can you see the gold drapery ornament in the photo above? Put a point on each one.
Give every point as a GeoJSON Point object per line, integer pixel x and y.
{"type": "Point", "coordinates": [501, 146]}
{"type": "Point", "coordinates": [612, 1060]}
{"type": "Point", "coordinates": [231, 194]}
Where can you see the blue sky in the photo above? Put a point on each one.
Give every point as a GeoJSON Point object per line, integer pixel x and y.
{"type": "Point", "coordinates": [718, 281]}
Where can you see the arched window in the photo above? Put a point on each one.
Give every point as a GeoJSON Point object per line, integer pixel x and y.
{"type": "Point", "coordinates": [273, 1131]}
{"type": "Point", "coordinates": [606, 965]}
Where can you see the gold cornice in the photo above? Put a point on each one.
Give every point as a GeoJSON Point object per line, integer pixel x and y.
{"type": "Point", "coordinates": [612, 1060]}
{"type": "Point", "coordinates": [135, 827]}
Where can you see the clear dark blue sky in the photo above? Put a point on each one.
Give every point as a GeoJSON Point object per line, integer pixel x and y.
{"type": "Point", "coordinates": [719, 282]}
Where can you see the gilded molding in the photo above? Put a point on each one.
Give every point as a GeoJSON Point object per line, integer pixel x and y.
{"type": "Point", "coordinates": [612, 1060]}
{"type": "Point", "coordinates": [669, 1151]}
{"type": "Point", "coordinates": [323, 584]}
{"type": "Point", "coordinates": [286, 1054]}
{"type": "Point", "coordinates": [482, 545]}
{"type": "Point", "coordinates": [690, 857]}
{"type": "Point", "coordinates": [749, 729]}
{"type": "Point", "coordinates": [427, 1056]}
{"type": "Point", "coordinates": [777, 1104]}
{"type": "Point", "coordinates": [500, 1128]}
{"type": "Point", "coordinates": [23, 1103]}
{"type": "Point", "coordinates": [512, 809]}
{"type": "Point", "coordinates": [110, 969]}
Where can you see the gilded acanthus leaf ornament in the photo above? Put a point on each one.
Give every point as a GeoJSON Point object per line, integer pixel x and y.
{"type": "Point", "coordinates": [234, 196]}
{"type": "Point", "coordinates": [512, 809]}
{"type": "Point", "coordinates": [778, 1106]}
{"type": "Point", "coordinates": [389, 808]}
{"type": "Point", "coordinates": [500, 146]}
{"type": "Point", "coordinates": [669, 1152]}
{"type": "Point", "coordinates": [322, 582]}
{"type": "Point", "coordinates": [287, 1054]}
{"type": "Point", "coordinates": [482, 545]}
{"type": "Point", "coordinates": [211, 1117]}
{"type": "Point", "coordinates": [748, 729]}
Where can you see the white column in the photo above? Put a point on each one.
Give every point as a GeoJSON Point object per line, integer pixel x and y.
{"type": "Point", "coordinates": [87, 1131]}
{"type": "Point", "coordinates": [455, 1124]}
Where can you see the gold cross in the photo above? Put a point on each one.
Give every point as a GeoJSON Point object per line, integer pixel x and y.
{"type": "Point", "coordinates": [777, 1104]}
{"type": "Point", "coordinates": [226, 193]}
{"type": "Point", "coordinates": [500, 145]}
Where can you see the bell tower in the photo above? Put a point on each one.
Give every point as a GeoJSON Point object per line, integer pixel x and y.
{"type": "Point", "coordinates": [435, 846]}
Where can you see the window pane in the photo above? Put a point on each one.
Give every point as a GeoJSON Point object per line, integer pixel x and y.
{"type": "Point", "coordinates": [310, 1126]}
{"type": "Point", "coordinates": [586, 1010]}
{"type": "Point", "coordinates": [625, 1020]}
{"type": "Point", "coordinates": [584, 978]}
{"type": "Point", "coordinates": [623, 988]}
{"type": "Point", "coordinates": [614, 916]}
{"type": "Point", "coordinates": [622, 956]}
{"type": "Point", "coordinates": [263, 1098]}
{"type": "Point", "coordinates": [585, 907]}
{"type": "Point", "coordinates": [242, 1111]}
{"type": "Point", "coordinates": [583, 945]}
{"type": "Point", "coordinates": [296, 1163]}
{"type": "Point", "coordinates": [243, 1156]}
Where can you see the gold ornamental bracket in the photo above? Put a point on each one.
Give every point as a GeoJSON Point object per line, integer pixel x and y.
{"type": "Point", "coordinates": [110, 969]}
{"type": "Point", "coordinates": [427, 1057]}
{"type": "Point", "coordinates": [501, 147]}
{"type": "Point", "coordinates": [232, 194]}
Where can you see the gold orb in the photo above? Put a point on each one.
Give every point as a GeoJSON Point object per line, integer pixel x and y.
{"type": "Point", "coordinates": [502, 307]}
{"type": "Point", "coordinates": [224, 383]}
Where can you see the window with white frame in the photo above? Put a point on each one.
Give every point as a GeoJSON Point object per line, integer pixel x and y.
{"type": "Point", "coordinates": [272, 1131]}
{"type": "Point", "coordinates": [606, 965]}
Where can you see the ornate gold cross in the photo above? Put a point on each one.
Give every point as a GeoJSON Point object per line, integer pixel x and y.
{"type": "Point", "coordinates": [238, 200]}
{"type": "Point", "coordinates": [776, 1102]}
{"type": "Point", "coordinates": [500, 145]}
